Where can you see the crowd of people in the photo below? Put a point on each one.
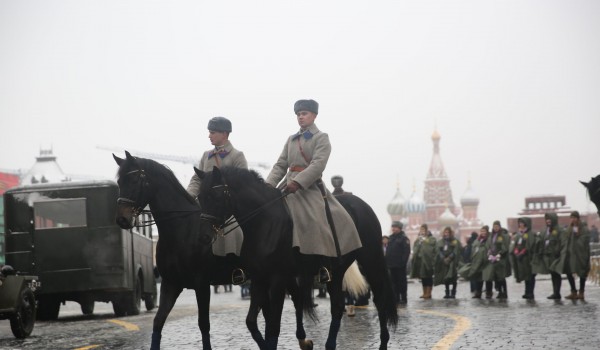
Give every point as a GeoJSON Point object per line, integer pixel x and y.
{"type": "Point", "coordinates": [488, 258]}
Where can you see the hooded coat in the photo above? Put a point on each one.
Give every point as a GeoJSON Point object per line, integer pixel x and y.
{"type": "Point", "coordinates": [446, 271]}
{"type": "Point", "coordinates": [497, 246]}
{"type": "Point", "coordinates": [423, 257]}
{"type": "Point", "coordinates": [554, 245]}
{"type": "Point", "coordinates": [522, 251]}
{"type": "Point", "coordinates": [579, 249]}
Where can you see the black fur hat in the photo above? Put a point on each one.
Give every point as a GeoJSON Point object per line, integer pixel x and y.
{"type": "Point", "coordinates": [306, 105]}
{"type": "Point", "coordinates": [221, 124]}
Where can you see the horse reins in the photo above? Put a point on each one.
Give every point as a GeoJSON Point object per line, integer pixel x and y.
{"type": "Point", "coordinates": [220, 229]}
{"type": "Point", "coordinates": [138, 209]}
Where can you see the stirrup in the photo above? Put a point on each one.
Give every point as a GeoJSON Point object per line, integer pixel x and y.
{"type": "Point", "coordinates": [324, 275]}
{"type": "Point", "coordinates": [238, 276]}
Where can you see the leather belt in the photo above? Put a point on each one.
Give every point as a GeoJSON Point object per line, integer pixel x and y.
{"type": "Point", "coordinates": [297, 168]}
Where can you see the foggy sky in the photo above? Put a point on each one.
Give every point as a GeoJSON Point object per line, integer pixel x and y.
{"type": "Point", "coordinates": [513, 88]}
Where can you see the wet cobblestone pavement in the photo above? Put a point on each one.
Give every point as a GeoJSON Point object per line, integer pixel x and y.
{"type": "Point", "coordinates": [463, 323]}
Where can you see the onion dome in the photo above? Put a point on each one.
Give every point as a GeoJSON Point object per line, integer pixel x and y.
{"type": "Point", "coordinates": [396, 205]}
{"type": "Point", "coordinates": [469, 198]}
{"type": "Point", "coordinates": [447, 219]}
{"type": "Point", "coordinates": [415, 204]}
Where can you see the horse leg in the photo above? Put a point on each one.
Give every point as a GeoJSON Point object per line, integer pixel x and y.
{"type": "Point", "coordinates": [203, 302]}
{"type": "Point", "coordinates": [257, 299]}
{"type": "Point", "coordinates": [168, 295]}
{"type": "Point", "coordinates": [375, 271]}
{"type": "Point", "coordinates": [273, 320]}
{"type": "Point", "coordinates": [305, 344]}
{"type": "Point", "coordinates": [337, 309]}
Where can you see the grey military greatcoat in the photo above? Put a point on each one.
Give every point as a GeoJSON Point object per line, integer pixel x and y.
{"type": "Point", "coordinates": [303, 160]}
{"type": "Point", "coordinates": [226, 155]}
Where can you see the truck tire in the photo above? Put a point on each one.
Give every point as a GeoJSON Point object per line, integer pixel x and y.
{"type": "Point", "coordinates": [119, 307]}
{"type": "Point", "coordinates": [129, 303]}
{"type": "Point", "coordinates": [150, 301]}
{"type": "Point", "coordinates": [87, 305]}
{"type": "Point", "coordinates": [134, 302]}
{"type": "Point", "coordinates": [22, 322]}
{"type": "Point", "coordinates": [48, 308]}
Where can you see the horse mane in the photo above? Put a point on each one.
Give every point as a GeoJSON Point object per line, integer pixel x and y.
{"type": "Point", "coordinates": [245, 178]}
{"type": "Point", "coordinates": [157, 170]}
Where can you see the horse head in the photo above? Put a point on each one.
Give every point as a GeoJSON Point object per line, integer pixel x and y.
{"type": "Point", "coordinates": [215, 198]}
{"type": "Point", "coordinates": [593, 188]}
{"type": "Point", "coordinates": [135, 190]}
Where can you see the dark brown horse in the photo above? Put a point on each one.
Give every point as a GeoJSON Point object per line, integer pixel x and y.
{"type": "Point", "coordinates": [269, 256]}
{"type": "Point", "coordinates": [183, 253]}
{"type": "Point", "coordinates": [593, 188]}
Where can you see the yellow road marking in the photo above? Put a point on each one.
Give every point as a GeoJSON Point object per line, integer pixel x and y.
{"type": "Point", "coordinates": [128, 326]}
{"type": "Point", "coordinates": [88, 347]}
{"type": "Point", "coordinates": [461, 326]}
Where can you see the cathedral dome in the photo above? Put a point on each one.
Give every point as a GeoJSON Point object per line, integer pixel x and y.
{"type": "Point", "coordinates": [415, 204]}
{"type": "Point", "coordinates": [469, 198]}
{"type": "Point", "coordinates": [447, 219]}
{"type": "Point", "coordinates": [396, 205]}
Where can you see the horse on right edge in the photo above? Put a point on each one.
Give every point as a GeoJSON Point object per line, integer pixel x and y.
{"type": "Point", "coordinates": [593, 188]}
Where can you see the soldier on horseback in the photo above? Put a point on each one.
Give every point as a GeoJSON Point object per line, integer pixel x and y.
{"type": "Point", "coordinates": [223, 154]}
{"type": "Point", "coordinates": [322, 227]}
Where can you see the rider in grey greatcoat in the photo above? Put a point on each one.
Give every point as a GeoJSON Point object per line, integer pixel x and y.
{"type": "Point", "coordinates": [299, 169]}
{"type": "Point", "coordinates": [223, 154]}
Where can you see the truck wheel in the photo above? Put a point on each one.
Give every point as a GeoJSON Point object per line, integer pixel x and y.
{"type": "Point", "coordinates": [134, 303]}
{"type": "Point", "coordinates": [119, 307]}
{"type": "Point", "coordinates": [87, 305]}
{"type": "Point", "coordinates": [48, 309]}
{"type": "Point", "coordinates": [150, 301]}
{"type": "Point", "coordinates": [21, 323]}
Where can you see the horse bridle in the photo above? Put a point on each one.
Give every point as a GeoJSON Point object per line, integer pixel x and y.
{"type": "Point", "coordinates": [137, 208]}
{"type": "Point", "coordinates": [220, 224]}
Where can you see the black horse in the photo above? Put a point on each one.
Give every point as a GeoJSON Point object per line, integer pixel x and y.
{"type": "Point", "coordinates": [183, 253]}
{"type": "Point", "coordinates": [593, 188]}
{"type": "Point", "coordinates": [270, 258]}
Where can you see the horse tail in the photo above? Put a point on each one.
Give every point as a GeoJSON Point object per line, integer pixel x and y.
{"type": "Point", "coordinates": [354, 282]}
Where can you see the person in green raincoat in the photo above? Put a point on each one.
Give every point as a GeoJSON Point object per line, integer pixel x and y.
{"type": "Point", "coordinates": [497, 269]}
{"type": "Point", "coordinates": [578, 255]}
{"type": "Point", "coordinates": [522, 252]}
{"type": "Point", "coordinates": [448, 253]}
{"type": "Point", "coordinates": [479, 259]}
{"type": "Point", "coordinates": [423, 259]}
{"type": "Point", "coordinates": [554, 252]}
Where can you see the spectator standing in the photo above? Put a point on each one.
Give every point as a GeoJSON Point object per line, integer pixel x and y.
{"type": "Point", "coordinates": [522, 253]}
{"type": "Point", "coordinates": [466, 256]}
{"type": "Point", "coordinates": [448, 250]}
{"type": "Point", "coordinates": [479, 259]}
{"type": "Point", "coordinates": [397, 254]}
{"type": "Point", "coordinates": [554, 252]}
{"type": "Point", "coordinates": [498, 267]}
{"type": "Point", "coordinates": [423, 259]}
{"type": "Point", "coordinates": [578, 253]}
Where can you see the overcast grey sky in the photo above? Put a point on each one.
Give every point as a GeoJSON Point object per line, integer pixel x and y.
{"type": "Point", "coordinates": [512, 86]}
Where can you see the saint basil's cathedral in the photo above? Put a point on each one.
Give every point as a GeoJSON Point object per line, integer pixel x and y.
{"type": "Point", "coordinates": [436, 208]}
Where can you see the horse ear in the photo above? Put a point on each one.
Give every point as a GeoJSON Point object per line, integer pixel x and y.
{"type": "Point", "coordinates": [129, 156]}
{"type": "Point", "coordinates": [199, 172]}
{"type": "Point", "coordinates": [118, 160]}
{"type": "Point", "coordinates": [216, 173]}
{"type": "Point", "coordinates": [585, 184]}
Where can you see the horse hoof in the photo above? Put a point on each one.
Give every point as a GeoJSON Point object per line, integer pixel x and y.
{"type": "Point", "coordinates": [306, 344]}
